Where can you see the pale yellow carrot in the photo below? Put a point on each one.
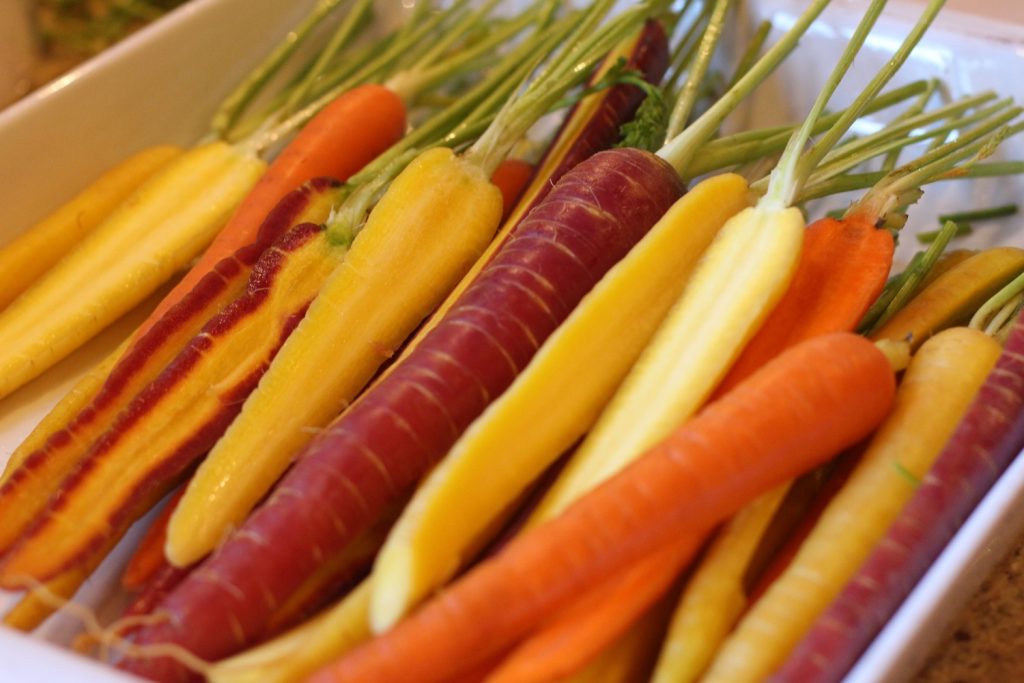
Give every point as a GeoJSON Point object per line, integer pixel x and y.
{"type": "Point", "coordinates": [536, 419]}
{"type": "Point", "coordinates": [36, 250]}
{"type": "Point", "coordinates": [155, 232]}
{"type": "Point", "coordinates": [935, 392]}
{"type": "Point", "coordinates": [714, 597]}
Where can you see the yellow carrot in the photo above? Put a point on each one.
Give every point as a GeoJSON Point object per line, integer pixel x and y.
{"type": "Point", "coordinates": [414, 248]}
{"type": "Point", "coordinates": [953, 296]}
{"type": "Point", "coordinates": [935, 392]}
{"type": "Point", "coordinates": [35, 251]}
{"type": "Point", "coordinates": [714, 597]}
{"type": "Point", "coordinates": [535, 419]}
{"type": "Point", "coordinates": [152, 234]}
{"type": "Point", "coordinates": [298, 653]}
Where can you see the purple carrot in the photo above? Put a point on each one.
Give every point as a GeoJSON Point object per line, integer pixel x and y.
{"type": "Point", "coordinates": [985, 442]}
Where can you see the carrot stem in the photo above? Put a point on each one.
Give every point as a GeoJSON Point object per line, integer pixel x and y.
{"type": "Point", "coordinates": [235, 103]}
{"type": "Point", "coordinates": [682, 149]}
{"type": "Point", "coordinates": [697, 71]}
{"type": "Point", "coordinates": [354, 21]}
{"type": "Point", "coordinates": [792, 170]}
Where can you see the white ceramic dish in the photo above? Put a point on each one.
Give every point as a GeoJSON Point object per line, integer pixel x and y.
{"type": "Point", "coordinates": [162, 84]}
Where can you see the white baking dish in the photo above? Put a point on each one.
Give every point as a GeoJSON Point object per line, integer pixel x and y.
{"type": "Point", "coordinates": [161, 86]}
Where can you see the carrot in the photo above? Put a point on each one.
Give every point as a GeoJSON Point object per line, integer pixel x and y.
{"type": "Point", "coordinates": [438, 395]}
{"type": "Point", "coordinates": [938, 387]}
{"type": "Point", "coordinates": [511, 177]}
{"type": "Point", "coordinates": [566, 644]}
{"type": "Point", "coordinates": [954, 295]}
{"type": "Point", "coordinates": [31, 254]}
{"type": "Point", "coordinates": [703, 472]}
{"type": "Point", "coordinates": [983, 443]}
{"type": "Point", "coordinates": [148, 557]}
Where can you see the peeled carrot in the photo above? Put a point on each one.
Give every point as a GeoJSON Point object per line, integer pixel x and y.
{"type": "Point", "coordinates": [801, 408]}
{"type": "Point", "coordinates": [32, 253]}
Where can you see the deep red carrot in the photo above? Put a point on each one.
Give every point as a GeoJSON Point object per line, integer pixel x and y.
{"type": "Point", "coordinates": [842, 269]}
{"type": "Point", "coordinates": [388, 439]}
{"type": "Point", "coordinates": [346, 135]}
{"type": "Point", "coordinates": [512, 177]}
{"type": "Point", "coordinates": [985, 441]}
{"type": "Point", "coordinates": [812, 401]}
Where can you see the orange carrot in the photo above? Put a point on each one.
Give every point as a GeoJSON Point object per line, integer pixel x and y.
{"type": "Point", "coordinates": [512, 177]}
{"type": "Point", "coordinates": [149, 558]}
{"type": "Point", "coordinates": [842, 270]}
{"type": "Point", "coordinates": [346, 135]}
{"type": "Point", "coordinates": [812, 401]}
{"type": "Point", "coordinates": [577, 635]}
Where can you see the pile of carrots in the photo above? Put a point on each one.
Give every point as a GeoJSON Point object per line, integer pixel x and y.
{"type": "Point", "coordinates": [420, 409]}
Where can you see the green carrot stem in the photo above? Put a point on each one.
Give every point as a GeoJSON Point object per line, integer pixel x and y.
{"type": "Point", "coordinates": [915, 109]}
{"type": "Point", "coordinates": [686, 47]}
{"type": "Point", "coordinates": [236, 102]}
{"type": "Point", "coordinates": [749, 57]}
{"type": "Point", "coordinates": [887, 189]}
{"type": "Point", "coordinates": [1001, 211]}
{"type": "Point", "coordinates": [962, 230]}
{"type": "Point", "coordinates": [408, 84]}
{"type": "Point", "coordinates": [698, 70]}
{"type": "Point", "coordinates": [896, 139]}
{"type": "Point", "coordinates": [991, 307]}
{"type": "Point", "coordinates": [681, 150]}
{"type": "Point", "coordinates": [888, 293]}
{"type": "Point", "coordinates": [742, 147]}
{"type": "Point", "coordinates": [1009, 311]}
{"type": "Point", "coordinates": [809, 161]}
{"type": "Point", "coordinates": [901, 130]}
{"type": "Point", "coordinates": [397, 53]}
{"type": "Point", "coordinates": [477, 107]}
{"type": "Point", "coordinates": [354, 21]}
{"type": "Point", "coordinates": [910, 285]}
{"type": "Point", "coordinates": [791, 173]}
{"type": "Point", "coordinates": [571, 66]}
